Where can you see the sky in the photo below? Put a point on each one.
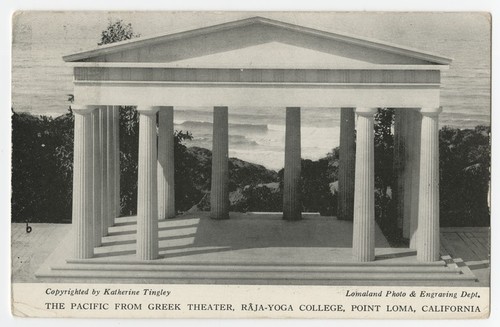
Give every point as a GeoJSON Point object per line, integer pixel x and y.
{"type": "Point", "coordinates": [420, 30]}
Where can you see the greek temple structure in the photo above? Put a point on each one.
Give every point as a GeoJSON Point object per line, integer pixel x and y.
{"type": "Point", "coordinates": [256, 62]}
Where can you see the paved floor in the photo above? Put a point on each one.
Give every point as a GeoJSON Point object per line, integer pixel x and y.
{"type": "Point", "coordinates": [249, 237]}
{"type": "Point", "coordinates": [192, 238]}
{"type": "Point", "coordinates": [30, 250]}
{"type": "Point", "coordinates": [469, 247]}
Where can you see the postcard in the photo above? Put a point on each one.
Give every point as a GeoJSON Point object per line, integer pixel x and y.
{"type": "Point", "coordinates": [251, 164]}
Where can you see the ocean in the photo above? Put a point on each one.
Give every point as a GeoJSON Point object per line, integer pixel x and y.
{"type": "Point", "coordinates": [41, 82]}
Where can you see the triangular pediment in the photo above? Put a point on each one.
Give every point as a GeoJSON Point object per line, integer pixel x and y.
{"type": "Point", "coordinates": [258, 43]}
{"type": "Point", "coordinates": [268, 55]}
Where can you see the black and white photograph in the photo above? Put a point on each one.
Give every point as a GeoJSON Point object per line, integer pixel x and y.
{"type": "Point", "coordinates": [343, 152]}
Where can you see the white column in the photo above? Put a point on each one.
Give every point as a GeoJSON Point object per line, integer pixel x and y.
{"type": "Point", "coordinates": [97, 166]}
{"type": "Point", "coordinates": [103, 134]}
{"type": "Point", "coordinates": [292, 206]}
{"type": "Point", "coordinates": [416, 121]}
{"type": "Point", "coordinates": [116, 139]}
{"type": "Point", "coordinates": [346, 164]}
{"type": "Point", "coordinates": [83, 215]}
{"type": "Point", "coordinates": [428, 204]}
{"type": "Point", "coordinates": [166, 169]}
{"type": "Point", "coordinates": [363, 244]}
{"type": "Point", "coordinates": [219, 192]}
{"type": "Point", "coordinates": [147, 199]}
{"type": "Point", "coordinates": [110, 162]}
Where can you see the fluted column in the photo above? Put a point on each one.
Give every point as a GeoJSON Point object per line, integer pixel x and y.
{"type": "Point", "coordinates": [364, 188]}
{"type": "Point", "coordinates": [147, 199]}
{"type": "Point", "coordinates": [103, 134]}
{"type": "Point", "coordinates": [97, 166]}
{"type": "Point", "coordinates": [428, 204]}
{"type": "Point", "coordinates": [116, 139]}
{"type": "Point", "coordinates": [166, 195]}
{"type": "Point", "coordinates": [346, 164]}
{"type": "Point", "coordinates": [415, 121]}
{"type": "Point", "coordinates": [83, 211]}
{"type": "Point", "coordinates": [110, 162]}
{"type": "Point", "coordinates": [292, 205]}
{"type": "Point", "coordinates": [219, 192]}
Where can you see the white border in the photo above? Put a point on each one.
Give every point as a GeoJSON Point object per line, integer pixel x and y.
{"type": "Point", "coordinates": [7, 7]}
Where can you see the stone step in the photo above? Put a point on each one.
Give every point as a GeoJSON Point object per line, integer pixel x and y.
{"type": "Point", "coordinates": [129, 270]}
{"type": "Point", "coordinates": [177, 221]}
{"type": "Point", "coordinates": [166, 226]}
{"type": "Point", "coordinates": [124, 223]}
{"type": "Point", "coordinates": [252, 268]}
{"type": "Point", "coordinates": [128, 219]}
{"type": "Point", "coordinates": [122, 229]}
{"type": "Point", "coordinates": [376, 263]}
{"type": "Point", "coordinates": [130, 237]}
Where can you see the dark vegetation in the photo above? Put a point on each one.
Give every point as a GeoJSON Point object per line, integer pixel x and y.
{"type": "Point", "coordinates": [464, 162]}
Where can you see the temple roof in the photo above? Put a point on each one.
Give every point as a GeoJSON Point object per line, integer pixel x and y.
{"type": "Point", "coordinates": [258, 42]}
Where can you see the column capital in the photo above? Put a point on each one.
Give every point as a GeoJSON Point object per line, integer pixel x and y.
{"type": "Point", "coordinates": [82, 109]}
{"type": "Point", "coordinates": [220, 108]}
{"type": "Point", "coordinates": [165, 108]}
{"type": "Point", "coordinates": [366, 112]}
{"type": "Point", "coordinates": [147, 110]}
{"type": "Point", "coordinates": [431, 112]}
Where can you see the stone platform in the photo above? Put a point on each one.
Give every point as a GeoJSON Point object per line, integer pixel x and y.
{"type": "Point", "coordinates": [249, 248]}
